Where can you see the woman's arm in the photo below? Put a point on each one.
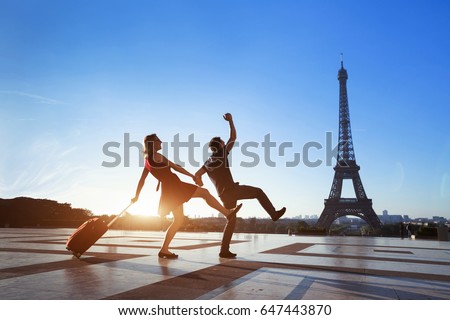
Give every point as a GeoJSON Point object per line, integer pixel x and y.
{"type": "Point", "coordinates": [161, 159]}
{"type": "Point", "coordinates": [198, 176]}
{"type": "Point", "coordinates": [180, 169]}
{"type": "Point", "coordinates": [140, 184]}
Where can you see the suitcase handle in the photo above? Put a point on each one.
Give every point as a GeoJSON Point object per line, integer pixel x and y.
{"type": "Point", "coordinates": [119, 215]}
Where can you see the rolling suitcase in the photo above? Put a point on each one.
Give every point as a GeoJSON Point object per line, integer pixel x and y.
{"type": "Point", "coordinates": [88, 233]}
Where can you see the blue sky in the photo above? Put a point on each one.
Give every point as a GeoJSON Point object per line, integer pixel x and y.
{"type": "Point", "coordinates": [76, 75]}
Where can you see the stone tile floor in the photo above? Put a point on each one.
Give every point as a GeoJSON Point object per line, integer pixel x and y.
{"type": "Point", "coordinates": [34, 265]}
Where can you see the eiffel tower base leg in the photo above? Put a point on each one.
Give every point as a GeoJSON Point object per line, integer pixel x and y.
{"type": "Point", "coordinates": [336, 209]}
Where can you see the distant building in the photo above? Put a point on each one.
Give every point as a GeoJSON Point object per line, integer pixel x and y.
{"type": "Point", "coordinates": [391, 219]}
{"type": "Point", "coordinates": [439, 220]}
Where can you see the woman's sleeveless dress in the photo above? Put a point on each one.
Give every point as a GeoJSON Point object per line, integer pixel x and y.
{"type": "Point", "coordinates": [174, 192]}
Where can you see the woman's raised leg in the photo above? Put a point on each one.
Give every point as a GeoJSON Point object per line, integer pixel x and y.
{"type": "Point", "coordinates": [213, 203]}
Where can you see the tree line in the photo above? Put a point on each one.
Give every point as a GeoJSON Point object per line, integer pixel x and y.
{"type": "Point", "coordinates": [29, 212]}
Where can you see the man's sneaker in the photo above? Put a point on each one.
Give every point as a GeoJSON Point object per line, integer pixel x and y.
{"type": "Point", "coordinates": [278, 214]}
{"type": "Point", "coordinates": [227, 254]}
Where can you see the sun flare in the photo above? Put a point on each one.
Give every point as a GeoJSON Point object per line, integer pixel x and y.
{"type": "Point", "coordinates": [144, 207]}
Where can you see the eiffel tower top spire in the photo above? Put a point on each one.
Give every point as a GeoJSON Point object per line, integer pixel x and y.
{"type": "Point", "coordinates": [346, 153]}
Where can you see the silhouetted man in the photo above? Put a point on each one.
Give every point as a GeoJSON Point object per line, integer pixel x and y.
{"type": "Point", "coordinates": [230, 192]}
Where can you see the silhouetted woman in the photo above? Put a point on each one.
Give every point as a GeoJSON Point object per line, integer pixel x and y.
{"type": "Point", "coordinates": [174, 192]}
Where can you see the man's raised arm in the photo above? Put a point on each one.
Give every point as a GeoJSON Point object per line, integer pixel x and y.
{"type": "Point", "coordinates": [228, 117]}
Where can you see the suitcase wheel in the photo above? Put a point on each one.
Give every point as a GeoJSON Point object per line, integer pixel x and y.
{"type": "Point", "coordinates": [76, 254]}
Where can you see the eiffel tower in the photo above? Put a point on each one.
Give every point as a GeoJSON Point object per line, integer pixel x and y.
{"type": "Point", "coordinates": [346, 168]}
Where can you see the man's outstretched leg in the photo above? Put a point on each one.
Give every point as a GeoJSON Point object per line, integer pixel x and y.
{"type": "Point", "coordinates": [248, 192]}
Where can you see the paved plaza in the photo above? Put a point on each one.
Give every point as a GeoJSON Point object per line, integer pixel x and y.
{"type": "Point", "coordinates": [35, 265]}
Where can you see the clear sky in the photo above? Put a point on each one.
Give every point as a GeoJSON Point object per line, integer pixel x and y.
{"type": "Point", "coordinates": [78, 75]}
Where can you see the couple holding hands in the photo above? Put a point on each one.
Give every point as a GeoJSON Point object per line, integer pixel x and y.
{"type": "Point", "coordinates": [175, 192]}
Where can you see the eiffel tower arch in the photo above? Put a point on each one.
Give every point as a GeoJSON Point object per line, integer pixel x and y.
{"type": "Point", "coordinates": [346, 169]}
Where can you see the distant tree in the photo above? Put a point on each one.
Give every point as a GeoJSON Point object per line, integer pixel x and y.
{"type": "Point", "coordinates": [24, 211]}
{"type": "Point", "coordinates": [302, 225]}
{"type": "Point", "coordinates": [252, 225]}
{"type": "Point", "coordinates": [270, 226]}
